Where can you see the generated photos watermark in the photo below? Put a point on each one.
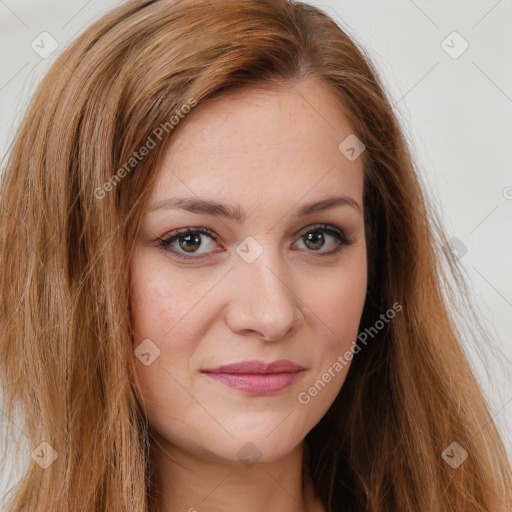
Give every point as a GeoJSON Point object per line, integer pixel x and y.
{"type": "Point", "coordinates": [342, 361]}
{"type": "Point", "coordinates": [137, 156]}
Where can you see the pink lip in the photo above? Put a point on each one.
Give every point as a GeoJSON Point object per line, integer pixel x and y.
{"type": "Point", "coordinates": [257, 377]}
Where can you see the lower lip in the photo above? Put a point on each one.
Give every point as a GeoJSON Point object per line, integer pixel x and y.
{"type": "Point", "coordinates": [257, 384]}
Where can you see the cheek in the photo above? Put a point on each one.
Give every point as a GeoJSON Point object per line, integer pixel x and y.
{"type": "Point", "coordinates": [161, 308]}
{"type": "Point", "coordinates": [338, 301]}
{"type": "Point", "coordinates": [161, 303]}
{"type": "Point", "coordinates": [338, 304]}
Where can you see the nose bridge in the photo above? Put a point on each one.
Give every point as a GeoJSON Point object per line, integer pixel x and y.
{"type": "Point", "coordinates": [263, 298]}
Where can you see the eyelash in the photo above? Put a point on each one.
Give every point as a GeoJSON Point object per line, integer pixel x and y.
{"type": "Point", "coordinates": [342, 240]}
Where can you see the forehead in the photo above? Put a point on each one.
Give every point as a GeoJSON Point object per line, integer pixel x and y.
{"type": "Point", "coordinates": [278, 142]}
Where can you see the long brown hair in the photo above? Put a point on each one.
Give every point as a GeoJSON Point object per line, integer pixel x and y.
{"type": "Point", "coordinates": [69, 221]}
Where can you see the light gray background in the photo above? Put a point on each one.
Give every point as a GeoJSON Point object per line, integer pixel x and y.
{"type": "Point", "coordinates": [457, 112]}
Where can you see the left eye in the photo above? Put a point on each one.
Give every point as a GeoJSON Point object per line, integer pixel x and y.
{"type": "Point", "coordinates": [189, 241]}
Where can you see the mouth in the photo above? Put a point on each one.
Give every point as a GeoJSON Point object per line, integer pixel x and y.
{"type": "Point", "coordinates": [257, 377]}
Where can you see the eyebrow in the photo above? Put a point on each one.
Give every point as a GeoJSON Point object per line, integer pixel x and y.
{"type": "Point", "coordinates": [216, 209]}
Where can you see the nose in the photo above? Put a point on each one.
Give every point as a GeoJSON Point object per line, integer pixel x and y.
{"type": "Point", "coordinates": [263, 301]}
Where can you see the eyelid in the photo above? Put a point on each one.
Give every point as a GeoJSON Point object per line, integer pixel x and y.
{"type": "Point", "coordinates": [185, 231]}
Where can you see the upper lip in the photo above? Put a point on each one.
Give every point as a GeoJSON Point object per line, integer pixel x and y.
{"type": "Point", "coordinates": [280, 366]}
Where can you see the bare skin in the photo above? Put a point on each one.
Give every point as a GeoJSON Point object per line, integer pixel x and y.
{"type": "Point", "coordinates": [269, 151]}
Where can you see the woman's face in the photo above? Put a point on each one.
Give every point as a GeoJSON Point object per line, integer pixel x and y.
{"type": "Point", "coordinates": [278, 283]}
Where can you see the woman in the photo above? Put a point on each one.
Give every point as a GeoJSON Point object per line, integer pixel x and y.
{"type": "Point", "coordinates": [221, 286]}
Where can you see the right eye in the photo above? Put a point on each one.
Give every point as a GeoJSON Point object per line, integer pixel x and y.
{"type": "Point", "coordinates": [189, 241]}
